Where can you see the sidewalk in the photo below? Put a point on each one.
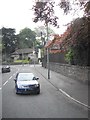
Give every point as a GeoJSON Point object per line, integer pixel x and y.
{"type": "Point", "coordinates": [74, 88]}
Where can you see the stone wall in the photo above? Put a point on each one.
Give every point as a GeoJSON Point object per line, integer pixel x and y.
{"type": "Point", "coordinates": [72, 71]}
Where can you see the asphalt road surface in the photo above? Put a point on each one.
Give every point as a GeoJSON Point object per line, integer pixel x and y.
{"type": "Point", "coordinates": [50, 103]}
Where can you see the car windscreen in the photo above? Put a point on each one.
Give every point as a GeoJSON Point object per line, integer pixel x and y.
{"type": "Point", "coordinates": [25, 77]}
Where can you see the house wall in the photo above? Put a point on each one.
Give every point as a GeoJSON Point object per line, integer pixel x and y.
{"type": "Point", "coordinates": [57, 58]}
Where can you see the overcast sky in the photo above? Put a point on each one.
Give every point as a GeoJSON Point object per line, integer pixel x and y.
{"type": "Point", "coordinates": [18, 14]}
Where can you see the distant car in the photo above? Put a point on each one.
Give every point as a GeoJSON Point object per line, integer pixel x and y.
{"type": "Point", "coordinates": [6, 69]}
{"type": "Point", "coordinates": [26, 83]}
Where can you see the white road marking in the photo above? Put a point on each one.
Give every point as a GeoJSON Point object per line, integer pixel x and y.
{"type": "Point", "coordinates": [10, 77]}
{"type": "Point", "coordinates": [73, 98]}
{"type": "Point", "coordinates": [5, 83]}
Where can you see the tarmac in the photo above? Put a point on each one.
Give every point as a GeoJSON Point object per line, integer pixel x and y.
{"type": "Point", "coordinates": [73, 89]}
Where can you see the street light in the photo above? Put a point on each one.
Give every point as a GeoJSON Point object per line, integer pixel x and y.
{"type": "Point", "coordinates": [34, 53]}
{"type": "Point", "coordinates": [48, 63]}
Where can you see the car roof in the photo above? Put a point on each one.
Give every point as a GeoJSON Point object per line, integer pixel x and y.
{"type": "Point", "coordinates": [25, 73]}
{"type": "Point", "coordinates": [25, 76]}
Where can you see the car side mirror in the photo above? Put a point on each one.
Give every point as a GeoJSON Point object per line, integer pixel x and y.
{"type": "Point", "coordinates": [35, 78]}
{"type": "Point", "coordinates": [15, 79]}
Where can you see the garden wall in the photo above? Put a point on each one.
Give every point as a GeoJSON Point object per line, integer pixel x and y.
{"type": "Point", "coordinates": [72, 71]}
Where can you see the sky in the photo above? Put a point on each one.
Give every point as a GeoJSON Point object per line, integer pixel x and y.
{"type": "Point", "coordinates": [18, 14]}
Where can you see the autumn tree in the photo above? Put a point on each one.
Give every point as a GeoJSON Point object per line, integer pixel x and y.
{"type": "Point", "coordinates": [44, 11]}
{"type": "Point", "coordinates": [77, 39]}
{"type": "Point", "coordinates": [74, 5]}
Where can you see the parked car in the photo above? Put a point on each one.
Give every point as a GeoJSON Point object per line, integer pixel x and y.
{"type": "Point", "coordinates": [6, 69]}
{"type": "Point", "coordinates": [26, 83]}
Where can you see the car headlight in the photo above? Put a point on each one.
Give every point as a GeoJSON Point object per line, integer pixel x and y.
{"type": "Point", "coordinates": [20, 86]}
{"type": "Point", "coordinates": [36, 85]}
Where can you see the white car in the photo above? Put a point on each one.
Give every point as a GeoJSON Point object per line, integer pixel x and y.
{"type": "Point", "coordinates": [26, 83]}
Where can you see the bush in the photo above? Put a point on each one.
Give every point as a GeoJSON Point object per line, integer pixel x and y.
{"type": "Point", "coordinates": [69, 56]}
{"type": "Point", "coordinates": [22, 61]}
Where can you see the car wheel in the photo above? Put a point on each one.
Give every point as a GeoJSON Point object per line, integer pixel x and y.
{"type": "Point", "coordinates": [16, 90]}
{"type": "Point", "coordinates": [38, 92]}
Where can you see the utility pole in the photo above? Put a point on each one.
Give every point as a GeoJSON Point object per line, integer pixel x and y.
{"type": "Point", "coordinates": [34, 53]}
{"type": "Point", "coordinates": [48, 63]}
{"type": "Point", "coordinates": [22, 57]}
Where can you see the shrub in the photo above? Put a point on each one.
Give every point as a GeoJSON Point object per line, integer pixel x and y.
{"type": "Point", "coordinates": [69, 56]}
{"type": "Point", "coordinates": [22, 61]}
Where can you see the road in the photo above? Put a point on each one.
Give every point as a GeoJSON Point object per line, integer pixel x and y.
{"type": "Point", "coordinates": [50, 103]}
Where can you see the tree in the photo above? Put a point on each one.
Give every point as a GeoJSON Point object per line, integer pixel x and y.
{"type": "Point", "coordinates": [26, 38]}
{"type": "Point", "coordinates": [9, 41]}
{"type": "Point", "coordinates": [78, 39]}
{"type": "Point", "coordinates": [41, 35]}
{"type": "Point", "coordinates": [87, 8]}
{"type": "Point", "coordinates": [42, 29]}
{"type": "Point", "coordinates": [74, 5]}
{"type": "Point", "coordinates": [44, 11]}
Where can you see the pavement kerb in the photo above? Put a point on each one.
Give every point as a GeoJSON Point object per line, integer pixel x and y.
{"type": "Point", "coordinates": [66, 94]}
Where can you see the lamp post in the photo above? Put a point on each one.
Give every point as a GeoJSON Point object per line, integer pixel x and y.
{"type": "Point", "coordinates": [22, 57]}
{"type": "Point", "coordinates": [48, 63]}
{"type": "Point", "coordinates": [34, 53]}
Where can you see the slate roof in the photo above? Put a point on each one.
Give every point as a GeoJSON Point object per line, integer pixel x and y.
{"type": "Point", "coordinates": [20, 51]}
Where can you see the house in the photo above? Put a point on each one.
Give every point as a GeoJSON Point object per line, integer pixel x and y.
{"type": "Point", "coordinates": [56, 50]}
{"type": "Point", "coordinates": [23, 54]}
{"type": "Point", "coordinates": [55, 45]}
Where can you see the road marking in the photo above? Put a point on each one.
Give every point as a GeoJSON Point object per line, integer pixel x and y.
{"type": "Point", "coordinates": [5, 83]}
{"type": "Point", "coordinates": [73, 98]}
{"type": "Point", "coordinates": [10, 77]}
{"type": "Point", "coordinates": [13, 74]}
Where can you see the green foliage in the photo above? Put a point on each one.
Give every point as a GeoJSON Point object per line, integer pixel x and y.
{"type": "Point", "coordinates": [26, 38]}
{"type": "Point", "coordinates": [9, 40]}
{"type": "Point", "coordinates": [22, 61]}
{"type": "Point", "coordinates": [79, 41]}
{"type": "Point", "coordinates": [69, 56]}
